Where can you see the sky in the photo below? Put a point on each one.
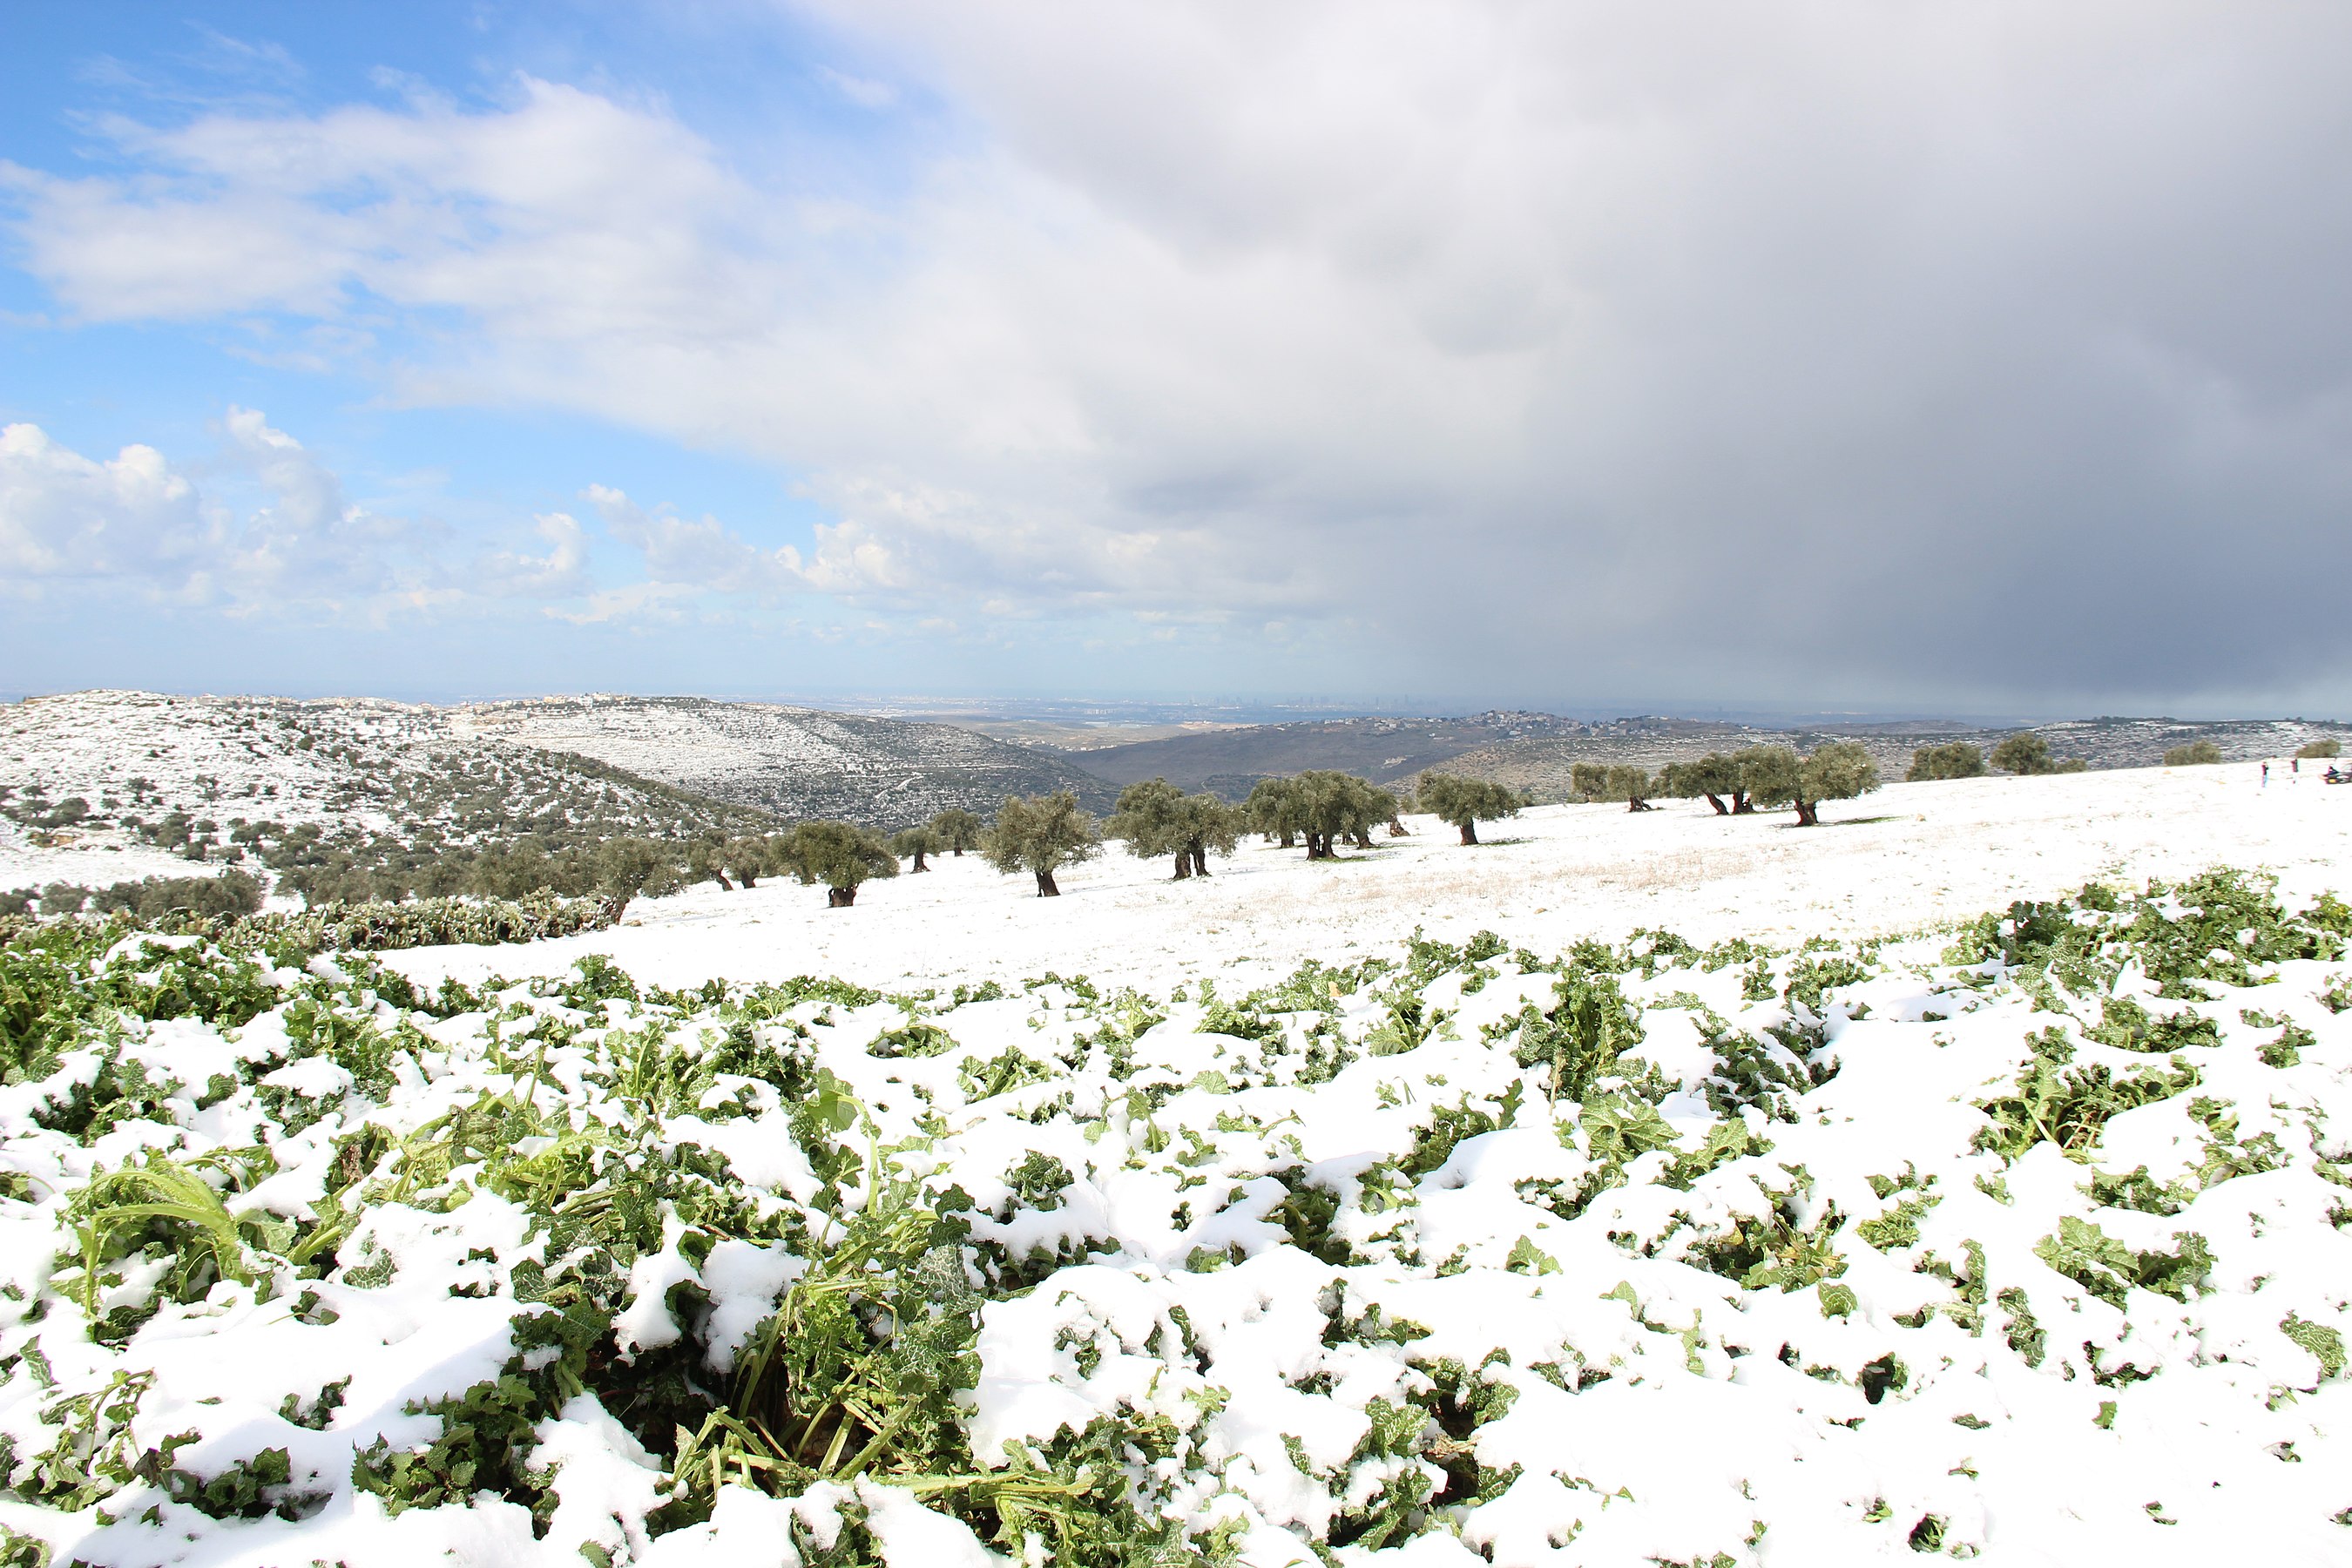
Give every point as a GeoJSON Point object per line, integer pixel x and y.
{"type": "Point", "coordinates": [1902, 357]}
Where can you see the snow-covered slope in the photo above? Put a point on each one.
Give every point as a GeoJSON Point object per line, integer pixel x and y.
{"type": "Point", "coordinates": [163, 781]}
{"type": "Point", "coordinates": [1907, 856]}
{"type": "Point", "coordinates": [795, 762]}
{"type": "Point", "coordinates": [2021, 1242]}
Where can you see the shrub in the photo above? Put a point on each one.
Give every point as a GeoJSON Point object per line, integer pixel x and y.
{"type": "Point", "coordinates": [2320, 749]}
{"type": "Point", "coordinates": [2197, 753]}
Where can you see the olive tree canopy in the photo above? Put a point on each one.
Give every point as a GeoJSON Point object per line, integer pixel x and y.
{"type": "Point", "coordinates": [1466, 803]}
{"type": "Point", "coordinates": [1837, 769]}
{"type": "Point", "coordinates": [1039, 835]}
{"type": "Point", "coordinates": [840, 855]}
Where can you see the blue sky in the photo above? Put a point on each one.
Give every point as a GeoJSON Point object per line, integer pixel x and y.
{"type": "Point", "coordinates": [1389, 351]}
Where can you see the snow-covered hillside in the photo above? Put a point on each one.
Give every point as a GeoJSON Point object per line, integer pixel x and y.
{"type": "Point", "coordinates": [134, 783]}
{"type": "Point", "coordinates": [1907, 856]}
{"type": "Point", "coordinates": [1365, 1213]}
{"type": "Point", "coordinates": [795, 762]}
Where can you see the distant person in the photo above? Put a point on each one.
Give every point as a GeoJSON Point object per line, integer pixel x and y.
{"type": "Point", "coordinates": [2266, 776]}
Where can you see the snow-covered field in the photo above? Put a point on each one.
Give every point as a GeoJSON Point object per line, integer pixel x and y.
{"type": "Point", "coordinates": [2014, 1241]}
{"type": "Point", "coordinates": [1907, 856]}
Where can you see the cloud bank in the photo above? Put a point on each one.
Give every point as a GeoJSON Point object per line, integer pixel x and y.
{"type": "Point", "coordinates": [1897, 352]}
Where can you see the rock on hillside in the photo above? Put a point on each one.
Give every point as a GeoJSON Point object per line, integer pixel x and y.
{"type": "Point", "coordinates": [795, 761]}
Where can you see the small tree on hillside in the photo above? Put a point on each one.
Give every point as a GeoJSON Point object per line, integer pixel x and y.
{"type": "Point", "coordinates": [2023, 753]}
{"type": "Point", "coordinates": [704, 862]}
{"type": "Point", "coordinates": [2197, 753]}
{"type": "Point", "coordinates": [1277, 808]}
{"type": "Point", "coordinates": [1588, 781]}
{"type": "Point", "coordinates": [1150, 818]}
{"type": "Point", "coordinates": [1039, 835]}
{"type": "Point", "coordinates": [1953, 760]}
{"type": "Point", "coordinates": [1716, 776]}
{"type": "Point", "coordinates": [1209, 823]}
{"type": "Point", "coordinates": [1631, 785]}
{"type": "Point", "coordinates": [2028, 752]}
{"type": "Point", "coordinates": [751, 858]}
{"type": "Point", "coordinates": [621, 869]}
{"type": "Point", "coordinates": [958, 830]}
{"type": "Point", "coordinates": [840, 855]}
{"type": "Point", "coordinates": [1336, 806]}
{"type": "Point", "coordinates": [1841, 770]}
{"type": "Point", "coordinates": [1466, 803]}
{"type": "Point", "coordinates": [917, 842]}
{"type": "Point", "coordinates": [2314, 748]}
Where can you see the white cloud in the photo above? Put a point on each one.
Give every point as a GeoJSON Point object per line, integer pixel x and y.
{"type": "Point", "coordinates": [63, 515]}
{"type": "Point", "coordinates": [859, 91]}
{"type": "Point", "coordinates": [703, 554]}
{"type": "Point", "coordinates": [1718, 348]}
{"type": "Point", "coordinates": [560, 573]}
{"type": "Point", "coordinates": [136, 523]}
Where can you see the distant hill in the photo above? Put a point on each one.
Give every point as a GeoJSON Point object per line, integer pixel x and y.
{"type": "Point", "coordinates": [1541, 765]}
{"type": "Point", "coordinates": [128, 778]}
{"type": "Point", "coordinates": [1231, 761]}
{"type": "Point", "coordinates": [1536, 750]}
{"type": "Point", "coordinates": [101, 785]}
{"type": "Point", "coordinates": [795, 763]}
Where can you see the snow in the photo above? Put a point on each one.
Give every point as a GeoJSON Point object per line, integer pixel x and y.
{"type": "Point", "coordinates": [1905, 858]}
{"type": "Point", "coordinates": [1640, 1407]}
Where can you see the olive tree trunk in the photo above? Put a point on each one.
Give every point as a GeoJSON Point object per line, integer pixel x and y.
{"type": "Point", "coordinates": [1045, 885]}
{"type": "Point", "coordinates": [1716, 801]}
{"type": "Point", "coordinates": [1200, 859]}
{"type": "Point", "coordinates": [840, 898]}
{"type": "Point", "coordinates": [1183, 864]}
{"type": "Point", "coordinates": [1469, 827]}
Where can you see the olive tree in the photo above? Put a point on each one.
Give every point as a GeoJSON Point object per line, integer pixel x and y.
{"type": "Point", "coordinates": [1464, 803]}
{"type": "Point", "coordinates": [2028, 752]}
{"type": "Point", "coordinates": [1953, 760]}
{"type": "Point", "coordinates": [1631, 785]}
{"type": "Point", "coordinates": [841, 855]}
{"type": "Point", "coordinates": [1336, 806]}
{"type": "Point", "coordinates": [1209, 823]}
{"type": "Point", "coordinates": [1718, 775]}
{"type": "Point", "coordinates": [2315, 749]}
{"type": "Point", "coordinates": [2194, 754]}
{"type": "Point", "coordinates": [751, 857]}
{"type": "Point", "coordinates": [1277, 808]}
{"type": "Point", "coordinates": [1150, 818]}
{"type": "Point", "coordinates": [621, 869]}
{"type": "Point", "coordinates": [704, 862]}
{"type": "Point", "coordinates": [1839, 770]}
{"type": "Point", "coordinates": [917, 842]}
{"type": "Point", "coordinates": [1039, 835]}
{"type": "Point", "coordinates": [958, 830]}
{"type": "Point", "coordinates": [1588, 781]}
